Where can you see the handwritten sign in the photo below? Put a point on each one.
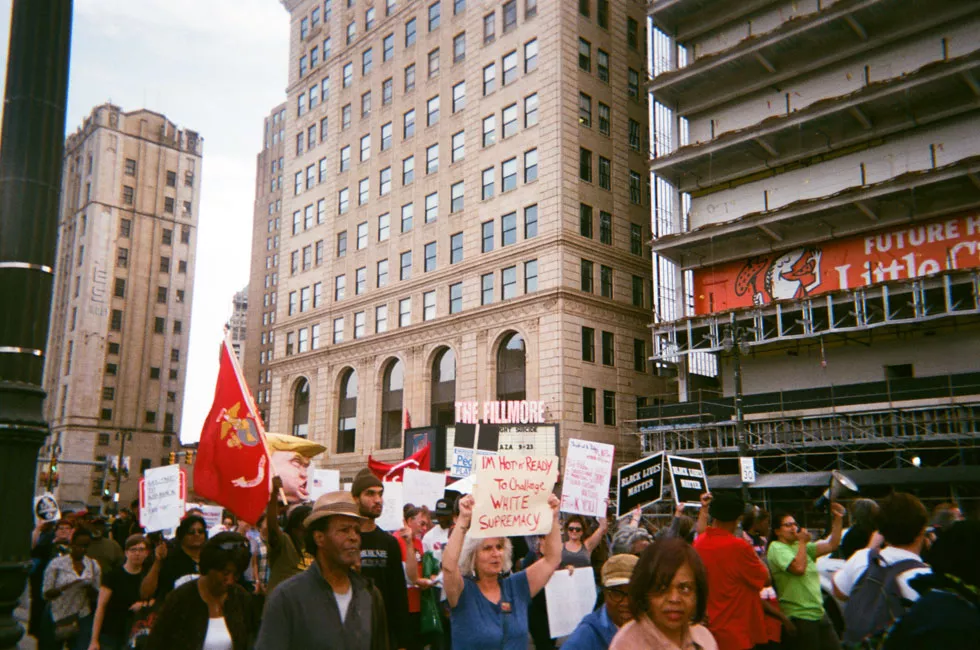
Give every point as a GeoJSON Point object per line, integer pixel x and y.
{"type": "Point", "coordinates": [161, 498]}
{"type": "Point", "coordinates": [585, 484]}
{"type": "Point", "coordinates": [423, 488]}
{"type": "Point", "coordinates": [392, 517]}
{"type": "Point", "coordinates": [323, 481]}
{"type": "Point", "coordinates": [640, 483]}
{"type": "Point", "coordinates": [688, 479]}
{"type": "Point", "coordinates": [512, 495]}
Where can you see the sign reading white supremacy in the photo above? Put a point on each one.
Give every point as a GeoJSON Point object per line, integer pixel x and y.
{"type": "Point", "coordinates": [640, 483]}
{"type": "Point", "coordinates": [688, 479]}
{"type": "Point", "coordinates": [511, 496]}
{"type": "Point", "coordinates": [585, 482]}
{"type": "Point", "coordinates": [163, 501]}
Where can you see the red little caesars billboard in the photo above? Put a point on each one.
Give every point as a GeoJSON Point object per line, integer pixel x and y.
{"type": "Point", "coordinates": [898, 253]}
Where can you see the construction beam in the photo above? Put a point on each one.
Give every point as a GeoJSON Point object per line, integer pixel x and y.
{"type": "Point", "coordinates": [859, 115]}
{"type": "Point", "coordinates": [974, 179]}
{"type": "Point", "coordinates": [764, 62]}
{"type": "Point", "coordinates": [856, 26]}
{"type": "Point", "coordinates": [865, 210]}
{"type": "Point", "coordinates": [971, 82]}
{"type": "Point", "coordinates": [769, 149]}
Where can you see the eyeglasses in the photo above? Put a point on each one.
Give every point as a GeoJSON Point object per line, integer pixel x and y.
{"type": "Point", "coordinates": [233, 546]}
{"type": "Point", "coordinates": [574, 529]}
{"type": "Point", "coordinates": [616, 596]}
{"type": "Point", "coordinates": [790, 524]}
{"type": "Point", "coordinates": [138, 549]}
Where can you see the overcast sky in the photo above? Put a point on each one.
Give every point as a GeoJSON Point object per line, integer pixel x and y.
{"type": "Point", "coordinates": [216, 67]}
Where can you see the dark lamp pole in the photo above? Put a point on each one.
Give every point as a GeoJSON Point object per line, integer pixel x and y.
{"type": "Point", "coordinates": [736, 345]}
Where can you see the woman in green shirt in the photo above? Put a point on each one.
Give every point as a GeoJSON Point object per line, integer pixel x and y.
{"type": "Point", "coordinates": [792, 561]}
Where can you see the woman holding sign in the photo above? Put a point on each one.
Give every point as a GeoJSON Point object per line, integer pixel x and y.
{"type": "Point", "coordinates": [577, 552]}
{"type": "Point", "coordinates": [489, 611]}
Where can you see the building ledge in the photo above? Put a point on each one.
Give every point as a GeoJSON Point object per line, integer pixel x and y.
{"type": "Point", "coordinates": [686, 20]}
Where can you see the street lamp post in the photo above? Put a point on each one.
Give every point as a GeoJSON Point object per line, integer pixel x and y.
{"type": "Point", "coordinates": [735, 343]}
{"type": "Point", "coordinates": [31, 157]}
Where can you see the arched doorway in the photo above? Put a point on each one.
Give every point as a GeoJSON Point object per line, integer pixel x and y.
{"type": "Point", "coordinates": [392, 390]}
{"type": "Point", "coordinates": [444, 388]}
{"type": "Point", "coordinates": [511, 365]}
{"type": "Point", "coordinates": [347, 412]}
{"type": "Point", "coordinates": [301, 408]}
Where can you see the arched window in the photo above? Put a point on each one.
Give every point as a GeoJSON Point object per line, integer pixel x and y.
{"type": "Point", "coordinates": [347, 413]}
{"type": "Point", "coordinates": [444, 388]}
{"type": "Point", "coordinates": [510, 368]}
{"type": "Point", "coordinates": [301, 408]}
{"type": "Point", "coordinates": [392, 388]}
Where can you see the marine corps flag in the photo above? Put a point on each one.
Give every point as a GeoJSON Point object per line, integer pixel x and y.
{"type": "Point", "coordinates": [233, 465]}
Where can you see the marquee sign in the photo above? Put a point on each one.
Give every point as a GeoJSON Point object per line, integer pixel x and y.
{"type": "Point", "coordinates": [500, 412]}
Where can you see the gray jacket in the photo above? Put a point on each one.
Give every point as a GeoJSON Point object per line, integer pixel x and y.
{"type": "Point", "coordinates": [302, 613]}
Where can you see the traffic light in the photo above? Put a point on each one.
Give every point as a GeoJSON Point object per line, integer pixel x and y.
{"type": "Point", "coordinates": [189, 457]}
{"type": "Point", "coordinates": [173, 458]}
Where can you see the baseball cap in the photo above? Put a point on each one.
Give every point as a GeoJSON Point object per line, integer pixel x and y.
{"type": "Point", "coordinates": [443, 508]}
{"type": "Point", "coordinates": [726, 506]}
{"type": "Point", "coordinates": [618, 569]}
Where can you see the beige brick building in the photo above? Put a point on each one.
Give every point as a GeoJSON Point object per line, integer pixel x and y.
{"type": "Point", "coordinates": [465, 217]}
{"type": "Point", "coordinates": [120, 318]}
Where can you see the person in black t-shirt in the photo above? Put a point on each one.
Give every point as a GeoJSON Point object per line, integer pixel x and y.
{"type": "Point", "coordinates": [381, 556]}
{"type": "Point", "coordinates": [119, 598]}
{"type": "Point", "coordinates": [173, 568]}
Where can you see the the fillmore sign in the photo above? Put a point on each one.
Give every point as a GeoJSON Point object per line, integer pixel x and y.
{"type": "Point", "coordinates": [500, 412]}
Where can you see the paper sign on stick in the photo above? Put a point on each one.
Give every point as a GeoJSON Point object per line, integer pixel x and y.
{"type": "Point", "coordinates": [423, 488]}
{"type": "Point", "coordinates": [212, 515]}
{"type": "Point", "coordinates": [392, 516]}
{"type": "Point", "coordinates": [323, 481]}
{"type": "Point", "coordinates": [512, 495]}
{"type": "Point", "coordinates": [161, 498]}
{"type": "Point", "coordinates": [585, 484]}
{"type": "Point", "coordinates": [570, 598]}
{"type": "Point", "coordinates": [688, 479]}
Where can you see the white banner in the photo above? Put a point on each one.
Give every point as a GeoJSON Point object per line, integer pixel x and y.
{"type": "Point", "coordinates": [162, 505]}
{"type": "Point", "coordinates": [323, 481]}
{"type": "Point", "coordinates": [585, 482]}
{"type": "Point", "coordinates": [423, 488]}
{"type": "Point", "coordinates": [570, 597]}
{"type": "Point", "coordinates": [392, 517]}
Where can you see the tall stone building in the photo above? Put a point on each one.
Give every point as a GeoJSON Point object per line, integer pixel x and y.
{"type": "Point", "coordinates": [465, 218]}
{"type": "Point", "coordinates": [120, 318]}
{"type": "Point", "coordinates": [237, 324]}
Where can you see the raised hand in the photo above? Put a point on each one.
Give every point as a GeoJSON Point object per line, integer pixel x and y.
{"type": "Point", "coordinates": [803, 537]}
{"type": "Point", "coordinates": [837, 510]}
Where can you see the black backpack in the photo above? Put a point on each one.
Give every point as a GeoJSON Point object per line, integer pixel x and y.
{"type": "Point", "coordinates": [876, 600]}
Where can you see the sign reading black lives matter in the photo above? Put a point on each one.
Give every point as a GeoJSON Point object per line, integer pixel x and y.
{"type": "Point", "coordinates": [640, 483]}
{"type": "Point", "coordinates": [688, 479]}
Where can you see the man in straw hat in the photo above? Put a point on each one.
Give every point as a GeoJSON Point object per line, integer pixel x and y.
{"type": "Point", "coordinates": [328, 606]}
{"type": "Point", "coordinates": [291, 458]}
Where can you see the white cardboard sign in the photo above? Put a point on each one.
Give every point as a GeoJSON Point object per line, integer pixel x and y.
{"type": "Point", "coordinates": [570, 597]}
{"type": "Point", "coordinates": [423, 488]}
{"type": "Point", "coordinates": [162, 502]}
{"type": "Point", "coordinates": [585, 482]}
{"type": "Point", "coordinates": [323, 481]}
{"type": "Point", "coordinates": [392, 517]}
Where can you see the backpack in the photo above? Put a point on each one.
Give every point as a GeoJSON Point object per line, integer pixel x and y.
{"type": "Point", "coordinates": [876, 600]}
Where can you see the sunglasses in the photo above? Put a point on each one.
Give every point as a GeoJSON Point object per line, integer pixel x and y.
{"type": "Point", "coordinates": [233, 546]}
{"type": "Point", "coordinates": [574, 529]}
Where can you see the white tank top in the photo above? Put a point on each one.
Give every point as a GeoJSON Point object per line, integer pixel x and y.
{"type": "Point", "coordinates": [218, 636]}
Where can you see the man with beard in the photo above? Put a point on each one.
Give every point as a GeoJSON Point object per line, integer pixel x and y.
{"type": "Point", "coordinates": [291, 458]}
{"type": "Point", "coordinates": [381, 557]}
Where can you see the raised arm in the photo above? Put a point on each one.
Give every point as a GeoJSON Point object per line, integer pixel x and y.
{"type": "Point", "coordinates": [539, 573]}
{"type": "Point", "coordinates": [104, 595]}
{"type": "Point", "coordinates": [272, 515]}
{"type": "Point", "coordinates": [596, 538]}
{"type": "Point", "coordinates": [798, 566]}
{"type": "Point", "coordinates": [702, 523]}
{"type": "Point", "coordinates": [837, 528]}
{"type": "Point", "coordinates": [452, 577]}
{"type": "Point", "coordinates": [149, 585]}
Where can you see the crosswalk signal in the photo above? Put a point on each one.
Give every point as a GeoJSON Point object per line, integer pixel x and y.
{"type": "Point", "coordinates": [173, 458]}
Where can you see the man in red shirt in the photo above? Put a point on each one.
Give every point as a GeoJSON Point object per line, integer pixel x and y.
{"type": "Point", "coordinates": [412, 534]}
{"type": "Point", "coordinates": [736, 575]}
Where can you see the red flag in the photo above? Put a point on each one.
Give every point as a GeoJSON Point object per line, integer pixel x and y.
{"type": "Point", "coordinates": [386, 472]}
{"type": "Point", "coordinates": [406, 420]}
{"type": "Point", "coordinates": [233, 464]}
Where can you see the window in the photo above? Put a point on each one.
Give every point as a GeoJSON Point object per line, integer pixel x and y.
{"type": "Point", "coordinates": [327, 48]}
{"type": "Point", "coordinates": [408, 212]}
{"type": "Point", "coordinates": [433, 66]}
{"type": "Point", "coordinates": [635, 196]}
{"type": "Point", "coordinates": [530, 8]}
{"type": "Point", "coordinates": [459, 96]}
{"type": "Point", "coordinates": [530, 221]}
{"type": "Point", "coordinates": [122, 258]}
{"type": "Point", "coordinates": [405, 271]}
{"type": "Point", "coordinates": [293, 303]}
{"type": "Point", "coordinates": [608, 349]}
{"type": "Point", "coordinates": [486, 289]}
{"type": "Point", "coordinates": [489, 28]}
{"type": "Point", "coordinates": [432, 159]}
{"type": "Point", "coordinates": [347, 411]}
{"type": "Point", "coordinates": [404, 312]}
{"type": "Point", "coordinates": [382, 273]}
{"type": "Point", "coordinates": [508, 229]}
{"type": "Point", "coordinates": [307, 257]}
{"type": "Point", "coordinates": [120, 288]}
{"type": "Point", "coordinates": [633, 83]}
{"type": "Point", "coordinates": [585, 110]}
{"type": "Point", "coordinates": [459, 146]}
{"type": "Point", "coordinates": [606, 281]}
{"type": "Point", "coordinates": [586, 272]}
{"type": "Point", "coordinates": [584, 55]}
{"type": "Point", "coordinates": [632, 33]}
{"type": "Point", "coordinates": [459, 47]}
{"type": "Point", "coordinates": [435, 15]}
{"type": "Point", "coordinates": [431, 207]}
{"type": "Point", "coordinates": [314, 337]}
{"type": "Point", "coordinates": [125, 227]}
{"type": "Point", "coordinates": [530, 165]}
{"type": "Point", "coordinates": [509, 66]}
{"type": "Point", "coordinates": [351, 32]}
{"type": "Point", "coordinates": [365, 147]}
{"type": "Point", "coordinates": [637, 291]}
{"type": "Point", "coordinates": [384, 227]}
{"type": "Point", "coordinates": [634, 135]}
{"type": "Point", "coordinates": [381, 319]}
{"type": "Point", "coordinates": [408, 120]}
{"type": "Point", "coordinates": [159, 325]}
{"type": "Point", "coordinates": [317, 297]}
{"type": "Point", "coordinates": [168, 205]}
{"type": "Point", "coordinates": [410, 77]}
{"type": "Point", "coordinates": [343, 201]}
{"type": "Point", "coordinates": [456, 298]}
{"type": "Point", "coordinates": [367, 61]}
{"type": "Point", "coordinates": [345, 159]}
{"type": "Point", "coordinates": [588, 405]}
{"type": "Point", "coordinates": [294, 263]}
{"type": "Point", "coordinates": [304, 340]}
{"type": "Point", "coordinates": [508, 283]}
{"type": "Point", "coordinates": [162, 295]}
{"type": "Point", "coordinates": [530, 110]}
{"type": "Point", "coordinates": [342, 244]}
{"type": "Point", "coordinates": [386, 91]}
{"type": "Point", "coordinates": [360, 325]}
{"type": "Point", "coordinates": [430, 257]}
{"type": "Point", "coordinates": [348, 74]}
{"type": "Point", "coordinates": [602, 65]}
{"type": "Point", "coordinates": [605, 228]}
{"type": "Point", "coordinates": [636, 239]}
{"type": "Point", "coordinates": [410, 33]}
{"type": "Point", "coordinates": [456, 192]}
{"type": "Point", "coordinates": [489, 79]}
{"type": "Point", "coordinates": [486, 244]}
{"type": "Point", "coordinates": [339, 288]}
{"type": "Point", "coordinates": [385, 181]}
{"type": "Point", "coordinates": [508, 175]}
{"type": "Point", "coordinates": [602, 14]}
{"type": "Point", "coordinates": [530, 276]}
{"type": "Point", "coordinates": [387, 47]}
{"type": "Point", "coordinates": [608, 406]}
{"type": "Point", "coordinates": [338, 330]}
{"type": "Point", "coordinates": [432, 111]}
{"type": "Point", "coordinates": [509, 115]}
{"type": "Point", "coordinates": [369, 19]}
{"type": "Point", "coordinates": [459, 6]}
{"type": "Point", "coordinates": [322, 170]}
{"type": "Point", "coordinates": [588, 344]}
{"type": "Point", "coordinates": [605, 173]}
{"type": "Point", "coordinates": [487, 192]}
{"type": "Point", "coordinates": [362, 235]}
{"type": "Point", "coordinates": [585, 164]}
{"type": "Point", "coordinates": [510, 15]}
{"type": "Point", "coordinates": [604, 126]}
{"type": "Point", "coordinates": [129, 195]}
{"type": "Point", "coordinates": [115, 322]}
{"type": "Point", "coordinates": [428, 305]}
{"type": "Point", "coordinates": [456, 248]}
{"type": "Point", "coordinates": [489, 130]}
{"type": "Point", "coordinates": [366, 104]}
{"type": "Point", "coordinates": [584, 7]}
{"type": "Point", "coordinates": [345, 116]}
{"type": "Point", "coordinates": [408, 170]}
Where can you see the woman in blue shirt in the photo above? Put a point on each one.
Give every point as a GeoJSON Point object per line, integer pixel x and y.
{"type": "Point", "coordinates": [489, 612]}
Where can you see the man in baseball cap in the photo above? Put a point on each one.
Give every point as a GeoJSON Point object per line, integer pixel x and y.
{"type": "Point", "coordinates": [291, 458]}
{"type": "Point", "coordinates": [596, 631]}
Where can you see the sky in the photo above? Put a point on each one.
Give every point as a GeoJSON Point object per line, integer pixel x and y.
{"type": "Point", "coordinates": [213, 66]}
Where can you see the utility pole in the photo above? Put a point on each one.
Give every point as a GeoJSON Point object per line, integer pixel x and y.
{"type": "Point", "coordinates": [31, 160]}
{"type": "Point", "coordinates": [121, 468]}
{"type": "Point", "coordinates": [735, 343]}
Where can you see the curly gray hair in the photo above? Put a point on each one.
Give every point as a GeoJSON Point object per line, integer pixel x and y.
{"type": "Point", "coordinates": [471, 545]}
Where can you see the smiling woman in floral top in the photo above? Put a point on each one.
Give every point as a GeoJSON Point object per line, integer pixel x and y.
{"type": "Point", "coordinates": [70, 585]}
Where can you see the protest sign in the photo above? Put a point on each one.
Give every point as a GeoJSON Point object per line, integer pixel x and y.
{"type": "Point", "coordinates": [391, 512]}
{"type": "Point", "coordinates": [161, 498]}
{"type": "Point", "coordinates": [512, 495]}
{"type": "Point", "coordinates": [46, 508]}
{"type": "Point", "coordinates": [423, 488]}
{"type": "Point", "coordinates": [688, 479]}
{"type": "Point", "coordinates": [570, 596]}
{"type": "Point", "coordinates": [585, 483]}
{"type": "Point", "coordinates": [212, 515]}
{"type": "Point", "coordinates": [640, 483]}
{"type": "Point", "coordinates": [461, 462]}
{"type": "Point", "coordinates": [323, 481]}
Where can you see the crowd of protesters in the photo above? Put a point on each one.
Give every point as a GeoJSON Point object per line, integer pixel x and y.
{"type": "Point", "coordinates": [325, 576]}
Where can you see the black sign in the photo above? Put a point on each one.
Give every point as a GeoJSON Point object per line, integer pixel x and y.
{"type": "Point", "coordinates": [688, 479]}
{"type": "Point", "coordinates": [419, 437]}
{"type": "Point", "coordinates": [640, 483]}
